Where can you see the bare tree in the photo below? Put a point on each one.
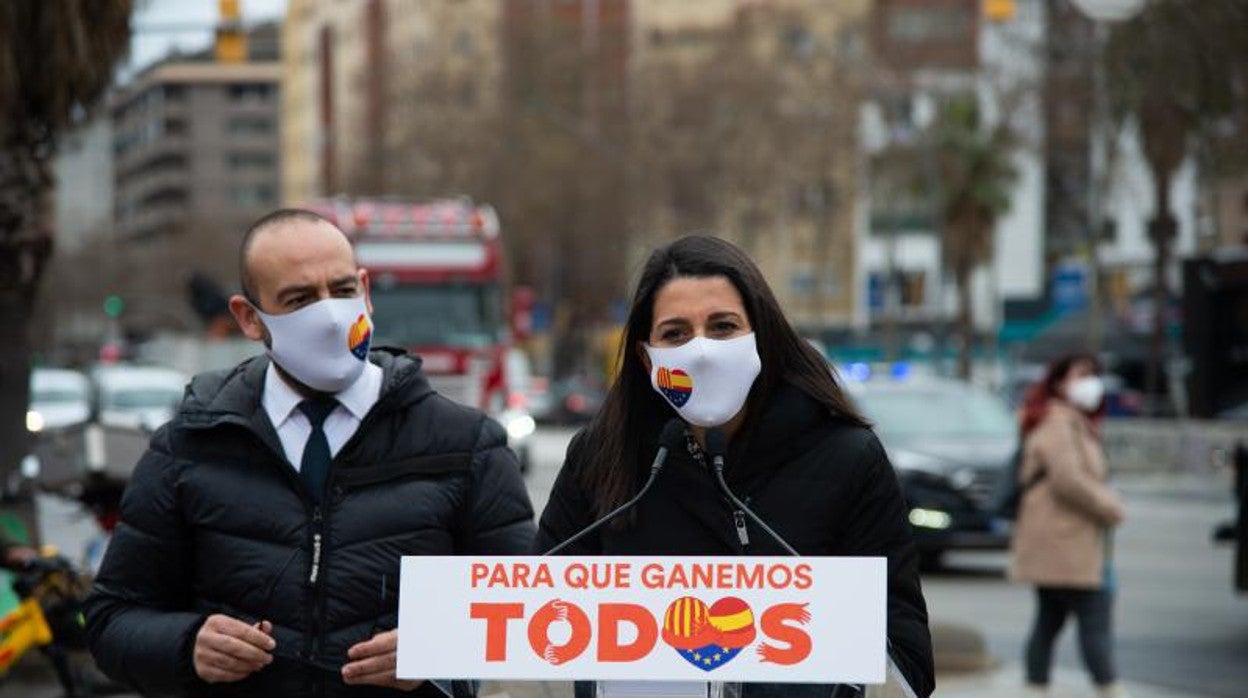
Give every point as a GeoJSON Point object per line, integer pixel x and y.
{"type": "Point", "coordinates": [56, 58]}
{"type": "Point", "coordinates": [584, 153]}
{"type": "Point", "coordinates": [752, 136]}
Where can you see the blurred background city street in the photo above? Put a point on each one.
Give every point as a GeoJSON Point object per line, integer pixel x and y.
{"type": "Point", "coordinates": [945, 195]}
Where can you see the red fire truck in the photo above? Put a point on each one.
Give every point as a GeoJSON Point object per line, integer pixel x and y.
{"type": "Point", "coordinates": [436, 272]}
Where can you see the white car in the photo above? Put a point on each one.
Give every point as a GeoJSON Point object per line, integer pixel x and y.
{"type": "Point", "coordinates": [58, 398]}
{"type": "Point", "coordinates": [143, 397]}
{"type": "Point", "coordinates": [516, 417]}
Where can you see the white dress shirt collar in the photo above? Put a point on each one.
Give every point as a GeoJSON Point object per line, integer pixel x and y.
{"type": "Point", "coordinates": [280, 400]}
{"type": "Point", "coordinates": [360, 396]}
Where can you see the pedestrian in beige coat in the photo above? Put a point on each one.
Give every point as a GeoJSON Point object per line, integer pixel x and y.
{"type": "Point", "coordinates": [1066, 512]}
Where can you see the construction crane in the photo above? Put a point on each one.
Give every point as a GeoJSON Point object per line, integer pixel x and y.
{"type": "Point", "coordinates": [231, 43]}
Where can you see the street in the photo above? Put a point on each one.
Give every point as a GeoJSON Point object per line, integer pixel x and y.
{"type": "Point", "coordinates": [1179, 625]}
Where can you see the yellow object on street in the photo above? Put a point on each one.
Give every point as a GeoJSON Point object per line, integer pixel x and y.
{"type": "Point", "coordinates": [999, 10]}
{"type": "Point", "coordinates": [22, 629]}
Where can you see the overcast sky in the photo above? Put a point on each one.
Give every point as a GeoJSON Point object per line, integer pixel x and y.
{"type": "Point", "coordinates": [161, 26]}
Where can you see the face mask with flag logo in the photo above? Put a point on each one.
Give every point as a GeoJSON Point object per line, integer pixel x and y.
{"type": "Point", "coordinates": [323, 345]}
{"type": "Point", "coordinates": [706, 380]}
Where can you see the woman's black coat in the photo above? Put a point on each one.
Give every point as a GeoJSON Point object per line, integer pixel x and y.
{"type": "Point", "coordinates": [824, 485]}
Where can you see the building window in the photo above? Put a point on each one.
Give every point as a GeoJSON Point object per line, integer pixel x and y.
{"type": "Point", "coordinates": [807, 283]}
{"type": "Point", "coordinates": [253, 195]}
{"type": "Point", "coordinates": [166, 196]}
{"type": "Point", "coordinates": [250, 92]}
{"type": "Point", "coordinates": [175, 127]}
{"type": "Point", "coordinates": [175, 93]}
{"type": "Point", "coordinates": [923, 24]}
{"type": "Point", "coordinates": [464, 45]}
{"type": "Point", "coordinates": [249, 161]}
{"type": "Point", "coordinates": [250, 125]}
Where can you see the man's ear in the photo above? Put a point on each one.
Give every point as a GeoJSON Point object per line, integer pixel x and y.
{"type": "Point", "coordinates": [365, 285]}
{"type": "Point", "coordinates": [247, 318]}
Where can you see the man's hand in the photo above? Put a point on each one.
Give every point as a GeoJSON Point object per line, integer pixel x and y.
{"type": "Point", "coordinates": [373, 663]}
{"type": "Point", "coordinates": [227, 649]}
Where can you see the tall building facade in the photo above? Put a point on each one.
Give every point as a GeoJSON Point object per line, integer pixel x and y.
{"type": "Point", "coordinates": [196, 158]}
{"type": "Point", "coordinates": [158, 186]}
{"type": "Point", "coordinates": [195, 143]}
{"type": "Point", "coordinates": [366, 83]}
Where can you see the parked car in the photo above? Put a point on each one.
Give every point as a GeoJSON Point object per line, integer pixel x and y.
{"type": "Point", "coordinates": [576, 400]}
{"type": "Point", "coordinates": [137, 396]}
{"type": "Point", "coordinates": [1121, 400]}
{"type": "Point", "coordinates": [516, 416]}
{"type": "Point", "coordinates": [952, 445]}
{"type": "Point", "coordinates": [58, 398]}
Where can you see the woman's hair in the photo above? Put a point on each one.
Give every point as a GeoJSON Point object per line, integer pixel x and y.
{"type": "Point", "coordinates": [1036, 402]}
{"type": "Point", "coordinates": [617, 440]}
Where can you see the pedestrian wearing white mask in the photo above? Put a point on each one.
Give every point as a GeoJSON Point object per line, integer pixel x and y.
{"type": "Point", "coordinates": [1062, 541]}
{"type": "Point", "coordinates": [707, 344]}
{"type": "Point", "coordinates": [260, 536]}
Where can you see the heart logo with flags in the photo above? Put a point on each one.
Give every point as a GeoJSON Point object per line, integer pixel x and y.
{"type": "Point", "coordinates": [708, 637]}
{"type": "Point", "coordinates": [676, 385]}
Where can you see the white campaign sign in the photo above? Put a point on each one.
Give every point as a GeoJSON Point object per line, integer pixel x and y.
{"type": "Point", "coordinates": [750, 619]}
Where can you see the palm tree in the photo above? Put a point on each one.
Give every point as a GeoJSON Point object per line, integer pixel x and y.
{"type": "Point", "coordinates": [976, 173]}
{"type": "Point", "coordinates": [1179, 71]}
{"type": "Point", "coordinates": [56, 59]}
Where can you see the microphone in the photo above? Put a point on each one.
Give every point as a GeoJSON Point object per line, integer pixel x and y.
{"type": "Point", "coordinates": [716, 444]}
{"type": "Point", "coordinates": [672, 432]}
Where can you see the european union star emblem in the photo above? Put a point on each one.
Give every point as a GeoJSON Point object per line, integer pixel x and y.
{"type": "Point", "coordinates": [709, 657]}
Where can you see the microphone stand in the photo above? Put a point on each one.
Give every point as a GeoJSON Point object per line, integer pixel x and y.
{"type": "Point", "coordinates": [716, 443]}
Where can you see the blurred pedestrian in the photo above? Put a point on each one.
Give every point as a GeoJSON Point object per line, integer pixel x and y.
{"type": "Point", "coordinates": [1067, 510]}
{"type": "Point", "coordinates": [708, 346]}
{"type": "Point", "coordinates": [260, 535]}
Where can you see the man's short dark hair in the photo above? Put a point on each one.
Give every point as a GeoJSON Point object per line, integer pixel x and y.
{"type": "Point", "coordinates": [281, 215]}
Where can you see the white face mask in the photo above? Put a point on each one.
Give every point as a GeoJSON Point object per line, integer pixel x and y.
{"type": "Point", "coordinates": [323, 345]}
{"type": "Point", "coordinates": [1086, 393]}
{"type": "Point", "coordinates": [706, 380]}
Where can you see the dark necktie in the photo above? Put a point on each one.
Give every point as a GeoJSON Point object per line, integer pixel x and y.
{"type": "Point", "coordinates": [314, 466]}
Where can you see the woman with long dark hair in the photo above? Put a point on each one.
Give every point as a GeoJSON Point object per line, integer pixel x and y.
{"type": "Point", "coordinates": [707, 342]}
{"type": "Point", "coordinates": [1066, 512]}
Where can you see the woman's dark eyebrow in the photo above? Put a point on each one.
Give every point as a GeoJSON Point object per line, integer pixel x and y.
{"type": "Point", "coordinates": [725, 314]}
{"type": "Point", "coordinates": [672, 321]}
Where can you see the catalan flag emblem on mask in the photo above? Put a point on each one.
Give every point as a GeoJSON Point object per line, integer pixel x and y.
{"type": "Point", "coordinates": [676, 385]}
{"type": "Point", "coordinates": [359, 337]}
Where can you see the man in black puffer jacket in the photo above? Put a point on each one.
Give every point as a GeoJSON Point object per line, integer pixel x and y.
{"type": "Point", "coordinates": [233, 573]}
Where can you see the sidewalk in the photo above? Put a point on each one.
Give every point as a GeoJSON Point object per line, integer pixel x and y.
{"type": "Point", "coordinates": [1006, 681]}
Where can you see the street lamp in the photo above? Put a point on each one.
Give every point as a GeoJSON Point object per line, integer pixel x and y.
{"type": "Point", "coordinates": [1110, 10]}
{"type": "Point", "coordinates": [1102, 13]}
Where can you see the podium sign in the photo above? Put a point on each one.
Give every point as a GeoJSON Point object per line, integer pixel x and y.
{"type": "Point", "coordinates": [749, 619]}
